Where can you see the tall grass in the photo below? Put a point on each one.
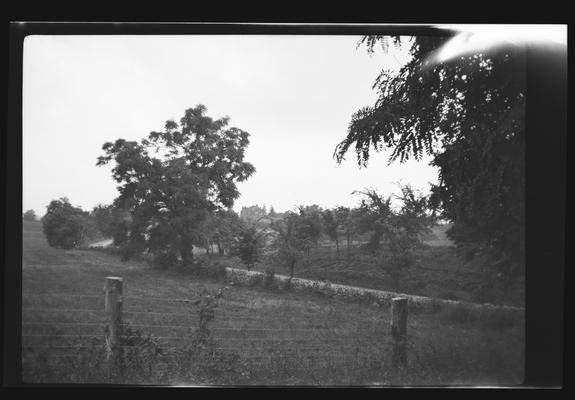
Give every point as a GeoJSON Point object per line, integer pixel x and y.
{"type": "Point", "coordinates": [492, 318]}
{"type": "Point", "coordinates": [442, 355]}
{"type": "Point", "coordinates": [352, 340]}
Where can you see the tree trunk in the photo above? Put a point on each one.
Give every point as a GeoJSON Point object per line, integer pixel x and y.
{"type": "Point", "coordinates": [337, 249]}
{"type": "Point", "coordinates": [220, 248]}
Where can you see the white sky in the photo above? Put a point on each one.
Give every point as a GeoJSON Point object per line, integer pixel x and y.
{"type": "Point", "coordinates": [294, 94]}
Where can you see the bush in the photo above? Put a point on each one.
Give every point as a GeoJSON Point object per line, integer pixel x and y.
{"type": "Point", "coordinates": [65, 226]}
{"type": "Point", "coordinates": [128, 251]}
{"type": "Point", "coordinates": [219, 270]}
{"type": "Point", "coordinates": [165, 259]}
{"type": "Point", "coordinates": [142, 357]}
{"type": "Point", "coordinates": [206, 267]}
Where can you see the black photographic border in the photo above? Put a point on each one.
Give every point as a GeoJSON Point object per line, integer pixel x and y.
{"type": "Point", "coordinates": [546, 199]}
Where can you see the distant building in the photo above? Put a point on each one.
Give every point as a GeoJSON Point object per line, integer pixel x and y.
{"type": "Point", "coordinates": [253, 213]}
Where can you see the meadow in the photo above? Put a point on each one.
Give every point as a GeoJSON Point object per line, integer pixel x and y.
{"type": "Point", "coordinates": [254, 336]}
{"type": "Point", "coordinates": [438, 271]}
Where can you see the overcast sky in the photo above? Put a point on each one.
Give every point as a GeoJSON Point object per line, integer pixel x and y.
{"type": "Point", "coordinates": [294, 94]}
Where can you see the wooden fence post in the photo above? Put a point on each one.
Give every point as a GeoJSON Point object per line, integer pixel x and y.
{"type": "Point", "coordinates": [399, 331]}
{"type": "Point", "coordinates": [113, 292]}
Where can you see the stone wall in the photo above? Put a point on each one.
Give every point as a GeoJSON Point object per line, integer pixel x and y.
{"type": "Point", "coordinates": [352, 293]}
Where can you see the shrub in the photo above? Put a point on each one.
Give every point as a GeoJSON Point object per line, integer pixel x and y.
{"type": "Point", "coordinates": [165, 259]}
{"type": "Point", "coordinates": [205, 267]}
{"type": "Point", "coordinates": [65, 226]}
{"type": "Point", "coordinates": [219, 270]}
{"type": "Point", "coordinates": [142, 357]}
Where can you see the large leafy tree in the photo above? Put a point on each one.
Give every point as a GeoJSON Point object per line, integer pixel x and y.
{"type": "Point", "coordinates": [172, 181]}
{"type": "Point", "coordinates": [468, 115]}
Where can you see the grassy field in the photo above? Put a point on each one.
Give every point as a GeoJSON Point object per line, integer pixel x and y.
{"type": "Point", "coordinates": [257, 337]}
{"type": "Point", "coordinates": [438, 271]}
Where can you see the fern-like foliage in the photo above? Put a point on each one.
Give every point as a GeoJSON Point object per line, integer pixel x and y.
{"type": "Point", "coordinates": [468, 115]}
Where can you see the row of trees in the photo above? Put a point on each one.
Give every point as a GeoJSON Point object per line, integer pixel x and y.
{"type": "Point", "coordinates": [30, 215]}
{"type": "Point", "coordinates": [393, 232]}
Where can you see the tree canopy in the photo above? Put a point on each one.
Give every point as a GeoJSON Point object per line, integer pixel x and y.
{"type": "Point", "coordinates": [468, 115]}
{"type": "Point", "coordinates": [172, 181]}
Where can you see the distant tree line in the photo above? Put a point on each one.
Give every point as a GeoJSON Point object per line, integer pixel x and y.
{"type": "Point", "coordinates": [29, 215]}
{"type": "Point", "coordinates": [393, 232]}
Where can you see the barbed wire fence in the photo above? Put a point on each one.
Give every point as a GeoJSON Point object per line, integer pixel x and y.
{"type": "Point", "coordinates": [61, 333]}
